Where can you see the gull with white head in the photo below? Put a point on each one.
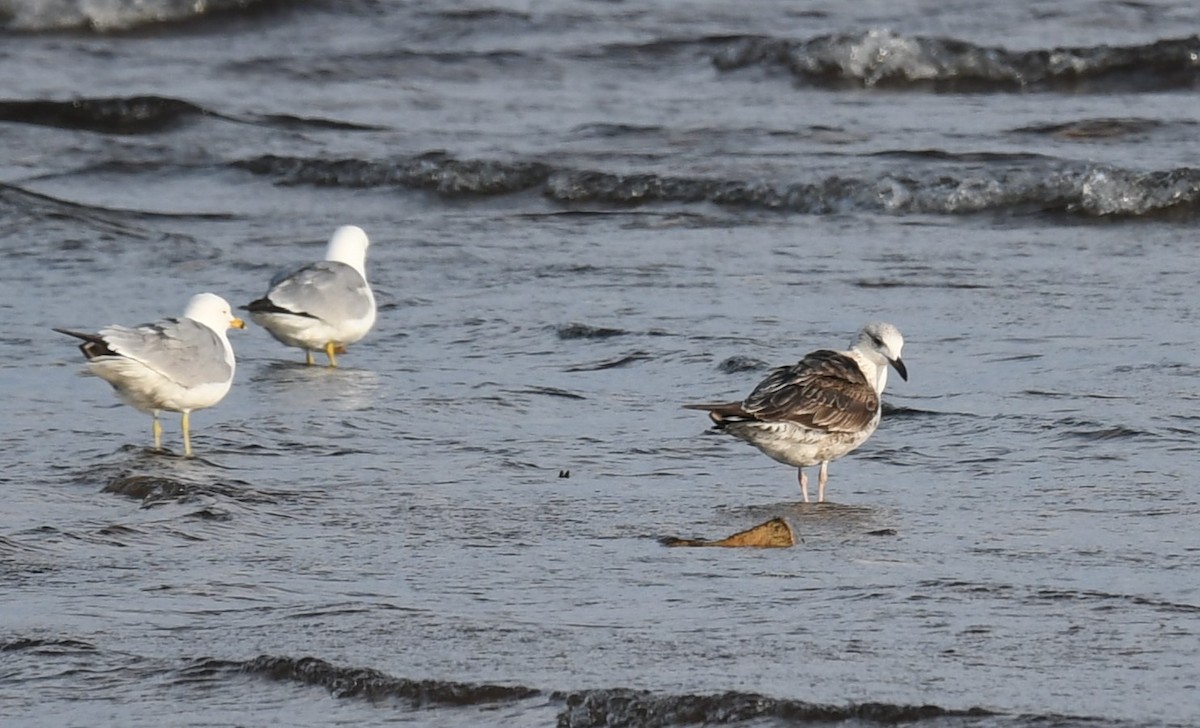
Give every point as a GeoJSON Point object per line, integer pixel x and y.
{"type": "Point", "coordinates": [323, 306]}
{"type": "Point", "coordinates": [818, 409]}
{"type": "Point", "coordinates": [176, 364]}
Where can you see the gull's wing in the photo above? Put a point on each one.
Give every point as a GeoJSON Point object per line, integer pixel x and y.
{"type": "Point", "coordinates": [182, 350]}
{"type": "Point", "coordinates": [327, 290]}
{"type": "Point", "coordinates": [825, 390]}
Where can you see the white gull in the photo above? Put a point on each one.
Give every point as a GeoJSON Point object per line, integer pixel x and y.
{"type": "Point", "coordinates": [176, 364]}
{"type": "Point", "coordinates": [322, 306]}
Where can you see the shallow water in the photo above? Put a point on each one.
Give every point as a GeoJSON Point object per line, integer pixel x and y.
{"type": "Point", "coordinates": [582, 217]}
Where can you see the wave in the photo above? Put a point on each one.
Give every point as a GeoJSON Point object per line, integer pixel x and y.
{"type": "Point", "coordinates": [615, 363]}
{"type": "Point", "coordinates": [1009, 591]}
{"type": "Point", "coordinates": [357, 682]}
{"type": "Point", "coordinates": [154, 489]}
{"type": "Point", "coordinates": [1025, 187]}
{"type": "Point", "coordinates": [1042, 187]}
{"type": "Point", "coordinates": [884, 59]}
{"type": "Point", "coordinates": [587, 331]}
{"type": "Point", "coordinates": [893, 411]}
{"type": "Point", "coordinates": [1098, 431]}
{"type": "Point", "coordinates": [49, 646]}
{"type": "Point", "coordinates": [578, 709]}
{"type": "Point", "coordinates": [145, 115]}
{"type": "Point", "coordinates": [111, 16]}
{"type": "Point", "coordinates": [1110, 128]}
{"type": "Point", "coordinates": [1091, 595]}
{"type": "Point", "coordinates": [740, 363]}
{"type": "Point", "coordinates": [133, 115]}
{"type": "Point", "coordinates": [434, 171]}
{"type": "Point", "coordinates": [616, 707]}
{"type": "Point", "coordinates": [21, 209]}
{"type": "Point", "coordinates": [625, 707]}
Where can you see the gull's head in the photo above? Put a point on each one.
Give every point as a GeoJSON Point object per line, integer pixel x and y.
{"type": "Point", "coordinates": [882, 342]}
{"type": "Point", "coordinates": [212, 311]}
{"type": "Point", "coordinates": [349, 245]}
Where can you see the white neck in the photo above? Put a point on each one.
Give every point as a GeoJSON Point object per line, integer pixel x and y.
{"type": "Point", "coordinates": [875, 371]}
{"type": "Point", "coordinates": [349, 245]}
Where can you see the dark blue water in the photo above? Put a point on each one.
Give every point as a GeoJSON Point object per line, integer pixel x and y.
{"type": "Point", "coordinates": [580, 212]}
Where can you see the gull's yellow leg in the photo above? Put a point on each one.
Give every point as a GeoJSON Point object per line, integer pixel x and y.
{"type": "Point", "coordinates": [187, 435]}
{"type": "Point", "coordinates": [308, 357]}
{"type": "Point", "coordinates": [157, 432]}
{"type": "Point", "coordinates": [329, 350]}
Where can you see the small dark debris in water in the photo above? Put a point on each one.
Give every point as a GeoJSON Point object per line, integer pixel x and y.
{"type": "Point", "coordinates": [772, 534]}
{"type": "Point", "coordinates": [210, 514]}
{"type": "Point", "coordinates": [882, 532]}
{"type": "Point", "coordinates": [611, 363]}
{"type": "Point", "coordinates": [564, 473]}
{"type": "Point", "coordinates": [584, 331]}
{"type": "Point", "coordinates": [735, 364]}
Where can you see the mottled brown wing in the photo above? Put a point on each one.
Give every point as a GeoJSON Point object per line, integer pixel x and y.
{"type": "Point", "coordinates": [824, 391]}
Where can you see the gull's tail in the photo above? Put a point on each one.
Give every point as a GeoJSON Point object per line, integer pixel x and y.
{"type": "Point", "coordinates": [723, 413]}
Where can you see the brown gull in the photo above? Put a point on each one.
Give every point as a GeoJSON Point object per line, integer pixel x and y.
{"type": "Point", "coordinates": [818, 409]}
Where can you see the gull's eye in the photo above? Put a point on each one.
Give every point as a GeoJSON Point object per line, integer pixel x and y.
{"type": "Point", "coordinates": [878, 341]}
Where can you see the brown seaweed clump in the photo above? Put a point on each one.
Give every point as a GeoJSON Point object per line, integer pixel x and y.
{"type": "Point", "coordinates": [772, 534]}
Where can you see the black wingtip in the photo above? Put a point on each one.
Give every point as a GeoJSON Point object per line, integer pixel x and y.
{"type": "Point", "coordinates": [93, 344]}
{"type": "Point", "coordinates": [79, 335]}
{"type": "Point", "coordinates": [261, 305]}
{"type": "Point", "coordinates": [266, 305]}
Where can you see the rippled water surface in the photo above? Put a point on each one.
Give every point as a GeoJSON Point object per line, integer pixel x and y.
{"type": "Point", "coordinates": [584, 215]}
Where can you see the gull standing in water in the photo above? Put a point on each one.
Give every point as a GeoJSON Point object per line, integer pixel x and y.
{"type": "Point", "coordinates": [323, 306]}
{"type": "Point", "coordinates": [818, 409]}
{"type": "Point", "coordinates": [178, 365]}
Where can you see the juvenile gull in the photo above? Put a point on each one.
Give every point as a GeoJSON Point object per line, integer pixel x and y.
{"type": "Point", "coordinates": [818, 409]}
{"type": "Point", "coordinates": [176, 364]}
{"type": "Point", "coordinates": [323, 306]}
